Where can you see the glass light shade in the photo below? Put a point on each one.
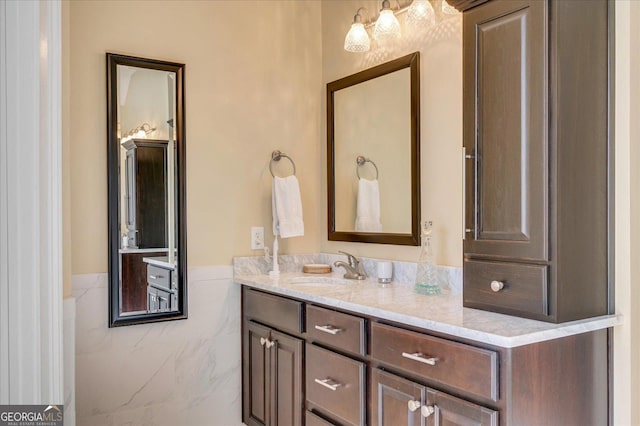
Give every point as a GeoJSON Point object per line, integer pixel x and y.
{"type": "Point", "coordinates": [357, 39]}
{"type": "Point", "coordinates": [448, 9]}
{"type": "Point", "coordinates": [387, 26]}
{"type": "Point", "coordinates": [421, 13]}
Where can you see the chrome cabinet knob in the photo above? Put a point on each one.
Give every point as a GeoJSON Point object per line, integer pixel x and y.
{"type": "Point", "coordinates": [413, 405]}
{"type": "Point", "coordinates": [427, 410]}
{"type": "Point", "coordinates": [263, 341]}
{"type": "Point", "coordinates": [497, 285]}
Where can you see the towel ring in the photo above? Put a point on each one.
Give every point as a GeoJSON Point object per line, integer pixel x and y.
{"type": "Point", "coordinates": [276, 156]}
{"type": "Point", "coordinates": [360, 161]}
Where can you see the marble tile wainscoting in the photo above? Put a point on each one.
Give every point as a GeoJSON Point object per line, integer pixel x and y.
{"type": "Point", "coordinates": [69, 359]}
{"type": "Point", "coordinates": [185, 372]}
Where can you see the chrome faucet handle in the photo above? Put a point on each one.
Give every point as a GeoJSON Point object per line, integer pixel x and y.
{"type": "Point", "coordinates": [356, 265]}
{"type": "Point", "coordinates": [353, 261]}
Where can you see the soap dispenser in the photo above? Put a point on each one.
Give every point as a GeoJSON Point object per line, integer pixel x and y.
{"type": "Point", "coordinates": [427, 274]}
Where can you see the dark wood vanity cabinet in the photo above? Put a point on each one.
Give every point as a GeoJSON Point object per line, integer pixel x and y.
{"type": "Point", "coordinates": [408, 376]}
{"type": "Point", "coordinates": [397, 401]}
{"type": "Point", "coordinates": [536, 147]}
{"type": "Point", "coordinates": [272, 363]}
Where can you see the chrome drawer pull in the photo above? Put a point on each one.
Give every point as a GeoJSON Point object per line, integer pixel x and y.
{"type": "Point", "coordinates": [413, 405]}
{"type": "Point", "coordinates": [328, 383]}
{"type": "Point", "coordinates": [427, 410]}
{"type": "Point", "coordinates": [497, 285]}
{"type": "Point", "coordinates": [328, 329]}
{"type": "Point", "coordinates": [154, 277]}
{"type": "Point", "coordinates": [420, 357]}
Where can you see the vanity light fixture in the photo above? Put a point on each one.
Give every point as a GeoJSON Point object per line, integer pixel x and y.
{"type": "Point", "coordinates": [387, 26]}
{"type": "Point", "coordinates": [139, 132]}
{"type": "Point", "coordinates": [421, 14]}
{"type": "Point", "coordinates": [357, 39]}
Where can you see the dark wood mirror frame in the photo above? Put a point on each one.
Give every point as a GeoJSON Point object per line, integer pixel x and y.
{"type": "Point", "coordinates": [412, 62]}
{"type": "Point", "coordinates": [113, 183]}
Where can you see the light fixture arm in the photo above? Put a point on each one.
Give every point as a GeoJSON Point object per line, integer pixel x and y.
{"type": "Point", "coordinates": [357, 18]}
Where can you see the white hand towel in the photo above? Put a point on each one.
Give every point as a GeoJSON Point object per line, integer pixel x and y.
{"type": "Point", "coordinates": [286, 207]}
{"type": "Point", "coordinates": [368, 210]}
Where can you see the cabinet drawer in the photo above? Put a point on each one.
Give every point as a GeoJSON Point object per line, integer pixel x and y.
{"type": "Point", "coordinates": [281, 313]}
{"type": "Point", "coordinates": [158, 276]}
{"type": "Point", "coordinates": [341, 331]}
{"type": "Point", "coordinates": [315, 420]}
{"type": "Point", "coordinates": [464, 367]}
{"type": "Point", "coordinates": [336, 385]}
{"type": "Point", "coordinates": [524, 290]}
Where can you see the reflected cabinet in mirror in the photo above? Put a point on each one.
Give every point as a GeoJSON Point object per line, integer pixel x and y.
{"type": "Point", "coordinates": [373, 158]}
{"type": "Point", "coordinates": [146, 183]}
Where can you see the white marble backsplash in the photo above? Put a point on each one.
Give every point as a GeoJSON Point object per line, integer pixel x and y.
{"type": "Point", "coordinates": [403, 272]}
{"type": "Point", "coordinates": [185, 372]}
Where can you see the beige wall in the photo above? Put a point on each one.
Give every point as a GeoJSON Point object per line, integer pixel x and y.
{"type": "Point", "coordinates": [627, 140]}
{"type": "Point", "coordinates": [253, 84]}
{"type": "Point", "coordinates": [441, 121]}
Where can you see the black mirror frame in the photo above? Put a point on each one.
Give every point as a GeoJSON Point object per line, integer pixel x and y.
{"type": "Point", "coordinates": [411, 61]}
{"type": "Point", "coordinates": [113, 180]}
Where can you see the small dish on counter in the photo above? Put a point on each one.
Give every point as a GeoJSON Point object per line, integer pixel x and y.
{"type": "Point", "coordinates": [316, 268]}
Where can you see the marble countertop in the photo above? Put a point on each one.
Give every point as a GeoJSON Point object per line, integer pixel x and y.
{"type": "Point", "coordinates": [161, 261]}
{"type": "Point", "coordinates": [442, 313]}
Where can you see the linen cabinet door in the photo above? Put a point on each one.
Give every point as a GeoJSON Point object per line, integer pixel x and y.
{"type": "Point", "coordinates": [442, 409]}
{"type": "Point", "coordinates": [256, 375]}
{"type": "Point", "coordinates": [396, 401]}
{"type": "Point", "coordinates": [505, 117]}
{"type": "Point", "coordinates": [287, 399]}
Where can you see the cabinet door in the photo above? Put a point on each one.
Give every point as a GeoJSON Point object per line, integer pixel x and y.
{"type": "Point", "coordinates": [286, 379]}
{"type": "Point", "coordinates": [442, 409]}
{"type": "Point", "coordinates": [396, 401]}
{"type": "Point", "coordinates": [505, 117]}
{"type": "Point", "coordinates": [255, 375]}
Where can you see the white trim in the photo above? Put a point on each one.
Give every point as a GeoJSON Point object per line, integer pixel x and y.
{"type": "Point", "coordinates": [4, 254]}
{"type": "Point", "coordinates": [51, 321]}
{"type": "Point", "coordinates": [30, 210]}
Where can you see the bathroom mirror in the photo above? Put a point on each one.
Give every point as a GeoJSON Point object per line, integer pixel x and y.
{"type": "Point", "coordinates": [373, 160]}
{"type": "Point", "coordinates": [146, 185]}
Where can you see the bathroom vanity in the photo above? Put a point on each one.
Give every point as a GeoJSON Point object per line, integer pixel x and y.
{"type": "Point", "coordinates": [162, 284]}
{"type": "Point", "coordinates": [324, 351]}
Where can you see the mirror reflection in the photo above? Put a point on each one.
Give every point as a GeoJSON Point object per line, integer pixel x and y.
{"type": "Point", "coordinates": [373, 154]}
{"type": "Point", "coordinates": [147, 271]}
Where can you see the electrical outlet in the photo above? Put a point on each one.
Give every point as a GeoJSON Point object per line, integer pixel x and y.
{"type": "Point", "coordinates": [257, 237]}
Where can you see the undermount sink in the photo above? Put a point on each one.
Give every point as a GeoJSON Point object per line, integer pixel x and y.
{"type": "Point", "coordinates": [320, 280]}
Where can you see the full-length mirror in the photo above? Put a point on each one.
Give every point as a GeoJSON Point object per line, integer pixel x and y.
{"type": "Point", "coordinates": [373, 161]}
{"type": "Point", "coordinates": [146, 180]}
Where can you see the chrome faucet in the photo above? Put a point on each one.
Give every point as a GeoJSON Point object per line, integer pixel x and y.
{"type": "Point", "coordinates": [354, 269]}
